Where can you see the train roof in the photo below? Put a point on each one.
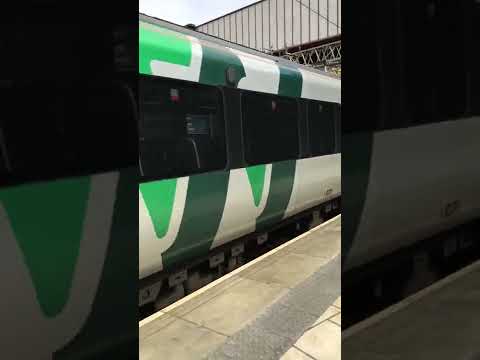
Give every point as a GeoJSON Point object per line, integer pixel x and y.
{"type": "Point", "coordinates": [170, 50]}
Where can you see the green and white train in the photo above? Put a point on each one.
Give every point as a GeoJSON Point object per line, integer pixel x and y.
{"type": "Point", "coordinates": [233, 144]}
{"type": "Point", "coordinates": [411, 177]}
{"type": "Point", "coordinates": [67, 223]}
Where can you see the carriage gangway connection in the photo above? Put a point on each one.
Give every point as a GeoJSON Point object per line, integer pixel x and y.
{"type": "Point", "coordinates": [439, 322]}
{"type": "Point", "coordinates": [285, 304]}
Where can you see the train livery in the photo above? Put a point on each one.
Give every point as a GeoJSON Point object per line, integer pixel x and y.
{"type": "Point", "coordinates": [67, 220]}
{"type": "Point", "coordinates": [233, 142]}
{"type": "Point", "coordinates": [424, 197]}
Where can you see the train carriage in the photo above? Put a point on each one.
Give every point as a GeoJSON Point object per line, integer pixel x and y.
{"type": "Point", "coordinates": [233, 143]}
{"type": "Point", "coordinates": [68, 191]}
{"type": "Point", "coordinates": [411, 180]}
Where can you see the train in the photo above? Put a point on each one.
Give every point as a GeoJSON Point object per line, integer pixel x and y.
{"type": "Point", "coordinates": [233, 144]}
{"type": "Point", "coordinates": [68, 199]}
{"type": "Point", "coordinates": [411, 181]}
{"type": "Point", "coordinates": [430, 190]}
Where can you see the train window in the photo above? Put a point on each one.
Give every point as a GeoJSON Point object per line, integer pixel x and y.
{"type": "Point", "coordinates": [73, 129]}
{"type": "Point", "coordinates": [182, 128]}
{"type": "Point", "coordinates": [475, 59]}
{"type": "Point", "coordinates": [447, 29]}
{"type": "Point", "coordinates": [3, 156]}
{"type": "Point", "coordinates": [427, 27]}
{"type": "Point", "coordinates": [338, 129]}
{"type": "Point", "coordinates": [270, 126]}
{"type": "Point", "coordinates": [321, 126]}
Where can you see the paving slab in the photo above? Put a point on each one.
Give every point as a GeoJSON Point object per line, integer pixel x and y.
{"type": "Point", "coordinates": [337, 319]}
{"type": "Point", "coordinates": [179, 340]}
{"type": "Point", "coordinates": [329, 313]}
{"type": "Point", "coordinates": [322, 342]}
{"type": "Point", "coordinates": [338, 303]}
{"type": "Point", "coordinates": [327, 248]}
{"type": "Point", "coordinates": [259, 311]}
{"type": "Point", "coordinates": [295, 354]}
{"type": "Point", "coordinates": [154, 326]}
{"type": "Point", "coordinates": [231, 310]}
{"type": "Point", "coordinates": [289, 270]}
{"type": "Point", "coordinates": [441, 322]}
{"type": "Point", "coordinates": [201, 298]}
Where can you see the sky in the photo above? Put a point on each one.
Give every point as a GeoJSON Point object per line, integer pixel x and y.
{"type": "Point", "coordinates": [196, 12]}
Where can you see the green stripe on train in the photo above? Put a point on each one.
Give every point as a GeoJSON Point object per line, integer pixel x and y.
{"type": "Point", "coordinates": [204, 206]}
{"type": "Point", "coordinates": [256, 177]}
{"type": "Point", "coordinates": [281, 186]}
{"type": "Point", "coordinates": [49, 240]}
{"type": "Point", "coordinates": [119, 277]}
{"type": "Point", "coordinates": [159, 198]}
{"type": "Point", "coordinates": [291, 82]}
{"type": "Point", "coordinates": [205, 203]}
{"type": "Point", "coordinates": [215, 63]}
{"type": "Point", "coordinates": [162, 45]}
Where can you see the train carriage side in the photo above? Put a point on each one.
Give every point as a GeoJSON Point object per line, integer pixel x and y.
{"type": "Point", "coordinates": [412, 172]}
{"type": "Point", "coordinates": [244, 143]}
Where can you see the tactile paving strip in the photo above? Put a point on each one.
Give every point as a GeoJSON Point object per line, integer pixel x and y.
{"type": "Point", "coordinates": [274, 332]}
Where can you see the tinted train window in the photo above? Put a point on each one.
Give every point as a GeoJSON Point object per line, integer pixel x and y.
{"type": "Point", "coordinates": [448, 29]}
{"type": "Point", "coordinates": [4, 165]}
{"type": "Point", "coordinates": [270, 128]}
{"type": "Point", "coordinates": [474, 56]}
{"type": "Point", "coordinates": [52, 130]}
{"type": "Point", "coordinates": [182, 128]}
{"type": "Point", "coordinates": [321, 124]}
{"type": "Point", "coordinates": [338, 129]}
{"type": "Point", "coordinates": [436, 92]}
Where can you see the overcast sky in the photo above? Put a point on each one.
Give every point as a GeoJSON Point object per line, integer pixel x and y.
{"type": "Point", "coordinates": [197, 12]}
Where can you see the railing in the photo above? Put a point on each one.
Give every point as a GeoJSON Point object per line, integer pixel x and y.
{"type": "Point", "coordinates": [326, 56]}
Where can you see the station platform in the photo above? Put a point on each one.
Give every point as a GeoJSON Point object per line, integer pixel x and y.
{"type": "Point", "coordinates": [440, 322]}
{"type": "Point", "coordinates": [285, 305]}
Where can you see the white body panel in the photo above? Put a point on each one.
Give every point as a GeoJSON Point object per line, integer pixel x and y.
{"type": "Point", "coordinates": [313, 81]}
{"type": "Point", "coordinates": [240, 213]}
{"type": "Point", "coordinates": [426, 168]}
{"type": "Point", "coordinates": [150, 246]}
{"type": "Point", "coordinates": [313, 177]}
{"type": "Point", "coordinates": [261, 74]}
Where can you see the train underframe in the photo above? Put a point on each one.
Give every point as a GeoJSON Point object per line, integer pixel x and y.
{"type": "Point", "coordinates": [370, 288]}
